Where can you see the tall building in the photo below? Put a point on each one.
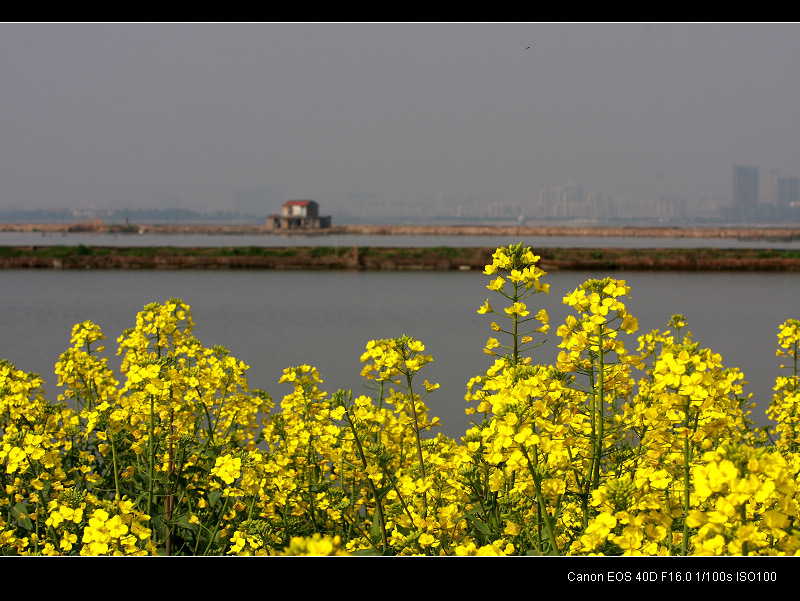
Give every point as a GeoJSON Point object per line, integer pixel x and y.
{"type": "Point", "coordinates": [788, 191]}
{"type": "Point", "coordinates": [745, 187]}
{"type": "Point", "coordinates": [565, 201]}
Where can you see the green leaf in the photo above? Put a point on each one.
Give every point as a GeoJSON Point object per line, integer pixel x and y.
{"type": "Point", "coordinates": [20, 512]}
{"type": "Point", "coordinates": [183, 522]}
{"type": "Point", "coordinates": [214, 496]}
{"type": "Point", "coordinates": [381, 492]}
{"type": "Point", "coordinates": [482, 526]}
{"type": "Point", "coordinates": [375, 531]}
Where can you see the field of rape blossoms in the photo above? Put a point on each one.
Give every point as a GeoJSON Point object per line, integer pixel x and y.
{"type": "Point", "coordinates": [627, 443]}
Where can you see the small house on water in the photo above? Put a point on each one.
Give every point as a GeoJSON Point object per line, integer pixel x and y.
{"type": "Point", "coordinates": [298, 215]}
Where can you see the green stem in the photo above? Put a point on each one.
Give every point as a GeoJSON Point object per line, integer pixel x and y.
{"type": "Point", "coordinates": [216, 526]}
{"type": "Point", "coordinates": [515, 321]}
{"type": "Point", "coordinates": [419, 443]}
{"type": "Point", "coordinates": [151, 461]}
{"type": "Point", "coordinates": [599, 408]}
{"type": "Point", "coordinates": [743, 517]}
{"type": "Point", "coordinates": [545, 517]}
{"type": "Point", "coordinates": [378, 503]}
{"type": "Point", "coordinates": [593, 459]}
{"type": "Point", "coordinates": [116, 467]}
{"type": "Point", "coordinates": [686, 459]}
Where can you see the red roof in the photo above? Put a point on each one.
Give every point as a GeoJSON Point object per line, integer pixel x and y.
{"type": "Point", "coordinates": [300, 203]}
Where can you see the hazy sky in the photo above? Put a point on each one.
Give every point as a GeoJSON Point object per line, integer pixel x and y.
{"type": "Point", "coordinates": [122, 114]}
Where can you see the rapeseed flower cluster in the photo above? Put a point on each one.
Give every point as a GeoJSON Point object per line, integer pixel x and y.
{"type": "Point", "coordinates": [603, 450]}
{"type": "Point", "coordinates": [785, 403]}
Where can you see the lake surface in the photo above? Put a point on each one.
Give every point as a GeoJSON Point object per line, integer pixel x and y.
{"type": "Point", "coordinates": [275, 319]}
{"type": "Point", "coordinates": [350, 240]}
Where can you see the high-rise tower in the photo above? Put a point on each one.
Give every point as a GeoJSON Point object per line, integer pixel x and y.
{"type": "Point", "coordinates": [788, 191]}
{"type": "Point", "coordinates": [745, 187]}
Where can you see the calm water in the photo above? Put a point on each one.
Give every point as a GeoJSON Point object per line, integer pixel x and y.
{"type": "Point", "coordinates": [276, 319]}
{"type": "Point", "coordinates": [348, 241]}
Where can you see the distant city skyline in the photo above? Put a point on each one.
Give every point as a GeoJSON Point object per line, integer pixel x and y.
{"type": "Point", "coordinates": [568, 202]}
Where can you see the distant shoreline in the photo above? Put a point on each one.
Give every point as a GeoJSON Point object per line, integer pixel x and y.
{"type": "Point", "coordinates": [738, 232]}
{"type": "Point", "coordinates": [390, 259]}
